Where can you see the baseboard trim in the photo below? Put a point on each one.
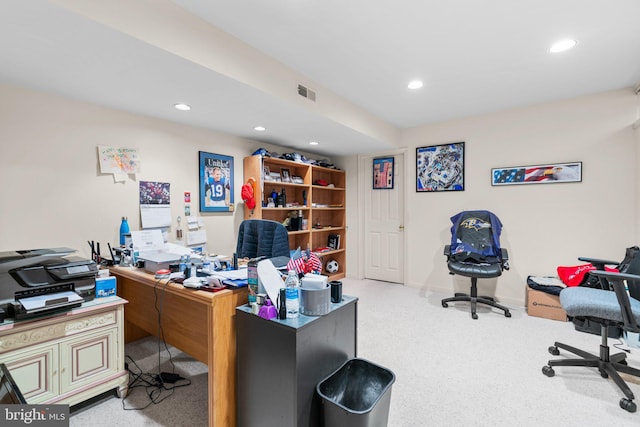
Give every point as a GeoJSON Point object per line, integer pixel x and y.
{"type": "Point", "coordinates": [511, 302]}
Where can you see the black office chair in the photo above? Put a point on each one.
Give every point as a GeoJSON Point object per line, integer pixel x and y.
{"type": "Point", "coordinates": [607, 308]}
{"type": "Point", "coordinates": [475, 252]}
{"type": "Point", "coordinates": [262, 238]}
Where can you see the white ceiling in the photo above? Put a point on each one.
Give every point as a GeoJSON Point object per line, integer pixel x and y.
{"type": "Point", "coordinates": [474, 56]}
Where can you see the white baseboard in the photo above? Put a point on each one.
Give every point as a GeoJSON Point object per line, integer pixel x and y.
{"type": "Point", "coordinates": [509, 301]}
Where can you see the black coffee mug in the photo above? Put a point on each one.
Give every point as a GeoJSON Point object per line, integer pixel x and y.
{"type": "Point", "coordinates": [336, 291]}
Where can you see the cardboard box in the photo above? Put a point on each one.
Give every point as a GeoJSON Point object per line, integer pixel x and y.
{"type": "Point", "coordinates": [105, 286]}
{"type": "Point", "coordinates": [542, 304]}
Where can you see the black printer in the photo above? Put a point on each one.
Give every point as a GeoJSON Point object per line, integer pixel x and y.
{"type": "Point", "coordinates": [41, 281]}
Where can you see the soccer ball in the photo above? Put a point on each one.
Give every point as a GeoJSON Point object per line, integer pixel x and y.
{"type": "Point", "coordinates": [332, 266]}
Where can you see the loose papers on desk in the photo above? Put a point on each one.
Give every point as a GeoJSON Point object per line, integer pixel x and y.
{"type": "Point", "coordinates": [271, 279]}
{"type": "Point", "coordinates": [147, 240]}
{"type": "Point", "coordinates": [152, 241]}
{"type": "Point", "coordinates": [151, 247]}
{"type": "Point", "coordinates": [234, 278]}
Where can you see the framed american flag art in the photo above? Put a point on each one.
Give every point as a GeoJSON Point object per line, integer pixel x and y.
{"type": "Point", "coordinates": [537, 174]}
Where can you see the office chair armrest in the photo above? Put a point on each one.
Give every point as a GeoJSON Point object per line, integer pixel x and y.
{"type": "Point", "coordinates": [598, 263]}
{"type": "Point", "coordinates": [614, 276]}
{"type": "Point", "coordinates": [447, 250]}
{"type": "Point", "coordinates": [504, 258]}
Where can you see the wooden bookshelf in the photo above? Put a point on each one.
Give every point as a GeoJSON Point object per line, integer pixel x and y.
{"type": "Point", "coordinates": [323, 207]}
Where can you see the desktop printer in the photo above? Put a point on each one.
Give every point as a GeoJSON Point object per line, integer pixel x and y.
{"type": "Point", "coordinates": [40, 281]}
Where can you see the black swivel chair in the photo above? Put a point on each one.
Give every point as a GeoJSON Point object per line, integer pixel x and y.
{"type": "Point", "coordinates": [475, 252]}
{"type": "Point", "coordinates": [262, 238]}
{"type": "Point", "coordinates": [618, 308]}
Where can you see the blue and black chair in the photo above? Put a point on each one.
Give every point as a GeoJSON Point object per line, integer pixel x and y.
{"type": "Point", "coordinates": [475, 252]}
{"type": "Point", "coordinates": [262, 238]}
{"type": "Point", "coordinates": [616, 304]}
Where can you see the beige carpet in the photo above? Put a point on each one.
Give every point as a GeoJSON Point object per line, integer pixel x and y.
{"type": "Point", "coordinates": [450, 370]}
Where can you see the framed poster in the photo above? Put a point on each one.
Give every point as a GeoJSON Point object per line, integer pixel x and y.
{"type": "Point", "coordinates": [216, 182]}
{"type": "Point", "coordinates": [537, 174]}
{"type": "Point", "coordinates": [286, 175]}
{"type": "Point", "coordinates": [383, 173]}
{"type": "Point", "coordinates": [440, 168]}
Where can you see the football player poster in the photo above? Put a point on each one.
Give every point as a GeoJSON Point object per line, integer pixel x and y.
{"type": "Point", "coordinates": [216, 182]}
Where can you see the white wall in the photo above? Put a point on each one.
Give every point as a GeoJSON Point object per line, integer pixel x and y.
{"type": "Point", "coordinates": [52, 193]}
{"type": "Point", "coordinates": [544, 225]}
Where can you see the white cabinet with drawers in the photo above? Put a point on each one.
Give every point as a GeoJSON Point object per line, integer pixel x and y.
{"type": "Point", "coordinates": [68, 357]}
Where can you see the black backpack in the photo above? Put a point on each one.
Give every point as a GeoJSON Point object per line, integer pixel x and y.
{"type": "Point", "coordinates": [630, 264]}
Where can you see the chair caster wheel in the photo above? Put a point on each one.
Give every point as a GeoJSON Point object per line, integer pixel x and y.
{"type": "Point", "coordinates": [507, 314]}
{"type": "Point", "coordinates": [474, 316]}
{"type": "Point", "coordinates": [628, 405]}
{"type": "Point", "coordinates": [445, 305]}
{"type": "Point", "coordinates": [548, 371]}
{"type": "Point", "coordinates": [554, 350]}
{"type": "Point", "coordinates": [603, 374]}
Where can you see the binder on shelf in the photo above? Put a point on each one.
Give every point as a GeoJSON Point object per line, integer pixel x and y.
{"type": "Point", "coordinates": [334, 241]}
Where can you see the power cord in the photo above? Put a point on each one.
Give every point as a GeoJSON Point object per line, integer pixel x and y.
{"type": "Point", "coordinates": [155, 384]}
{"type": "Point", "coordinates": [621, 345]}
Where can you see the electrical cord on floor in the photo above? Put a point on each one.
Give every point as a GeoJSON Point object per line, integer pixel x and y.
{"type": "Point", "coordinates": [621, 345]}
{"type": "Point", "coordinates": [155, 384]}
{"type": "Point", "coordinates": [160, 329]}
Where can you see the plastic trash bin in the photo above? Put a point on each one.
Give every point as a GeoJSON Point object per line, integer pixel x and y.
{"type": "Point", "coordinates": [357, 394]}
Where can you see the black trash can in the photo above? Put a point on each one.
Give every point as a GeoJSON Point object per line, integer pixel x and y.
{"type": "Point", "coordinates": [358, 394]}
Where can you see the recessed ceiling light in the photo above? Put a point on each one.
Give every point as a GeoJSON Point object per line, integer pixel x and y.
{"type": "Point", "coordinates": [313, 143]}
{"type": "Point", "coordinates": [562, 45]}
{"type": "Point", "coordinates": [415, 84]}
{"type": "Point", "coordinates": [183, 107]}
{"type": "Point", "coordinates": [260, 128]}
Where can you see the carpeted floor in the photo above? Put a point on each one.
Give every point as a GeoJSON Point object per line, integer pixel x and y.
{"type": "Point", "coordinates": [450, 370]}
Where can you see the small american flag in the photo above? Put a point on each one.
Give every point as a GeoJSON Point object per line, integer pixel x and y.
{"type": "Point", "coordinates": [307, 263]}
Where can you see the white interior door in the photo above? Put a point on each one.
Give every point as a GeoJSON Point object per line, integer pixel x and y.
{"type": "Point", "coordinates": [384, 226]}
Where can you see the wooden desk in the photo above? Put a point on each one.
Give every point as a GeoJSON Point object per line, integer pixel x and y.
{"type": "Point", "coordinates": [202, 324]}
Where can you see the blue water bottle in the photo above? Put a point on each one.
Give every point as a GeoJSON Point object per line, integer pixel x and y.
{"type": "Point", "coordinates": [124, 229]}
{"type": "Point", "coordinates": [183, 263]}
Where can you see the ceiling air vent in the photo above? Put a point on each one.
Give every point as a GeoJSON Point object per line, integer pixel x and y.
{"type": "Point", "coordinates": [305, 92]}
